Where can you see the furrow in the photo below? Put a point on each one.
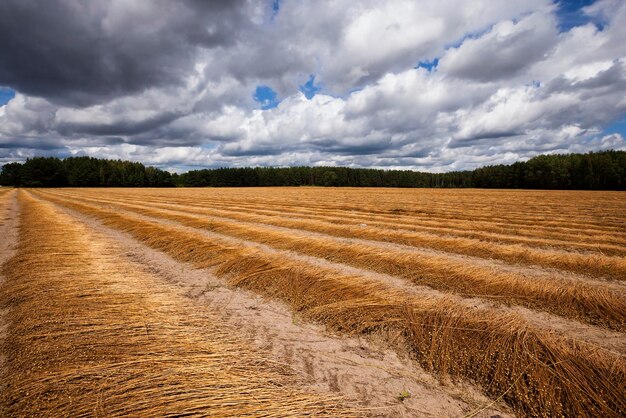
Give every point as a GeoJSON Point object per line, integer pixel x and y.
{"type": "Point", "coordinates": [397, 220]}
{"type": "Point", "coordinates": [604, 245]}
{"type": "Point", "coordinates": [538, 373]}
{"type": "Point", "coordinates": [573, 299]}
{"type": "Point", "coordinates": [594, 265]}
{"type": "Point", "coordinates": [570, 328]}
{"type": "Point", "coordinates": [600, 244]}
{"type": "Point", "coordinates": [453, 224]}
{"type": "Point", "coordinates": [361, 367]}
{"type": "Point", "coordinates": [550, 209]}
{"type": "Point", "coordinates": [90, 335]}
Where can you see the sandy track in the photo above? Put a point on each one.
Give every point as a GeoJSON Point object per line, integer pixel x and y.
{"type": "Point", "coordinates": [91, 334]}
{"type": "Point", "coordinates": [9, 222]}
{"type": "Point", "coordinates": [364, 369]}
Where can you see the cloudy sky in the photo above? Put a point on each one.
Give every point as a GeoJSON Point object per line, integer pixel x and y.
{"type": "Point", "coordinates": [433, 85]}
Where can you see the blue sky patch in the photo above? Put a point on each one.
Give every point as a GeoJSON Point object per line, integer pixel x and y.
{"type": "Point", "coordinates": [429, 65]}
{"type": "Point", "coordinates": [275, 8]}
{"type": "Point", "coordinates": [309, 89]}
{"type": "Point", "coordinates": [570, 14]}
{"type": "Point", "coordinates": [6, 94]}
{"type": "Point", "coordinates": [266, 96]}
{"type": "Point", "coordinates": [617, 127]}
{"type": "Point", "coordinates": [470, 35]}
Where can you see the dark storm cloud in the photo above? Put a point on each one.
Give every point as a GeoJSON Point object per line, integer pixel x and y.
{"type": "Point", "coordinates": [156, 139]}
{"type": "Point", "coordinates": [56, 143]}
{"type": "Point", "coordinates": [256, 151]}
{"type": "Point", "coordinates": [80, 53]}
{"type": "Point", "coordinates": [113, 140]}
{"type": "Point", "coordinates": [119, 128]}
{"type": "Point", "coordinates": [44, 144]}
{"type": "Point", "coordinates": [362, 148]}
{"type": "Point", "coordinates": [482, 138]}
{"type": "Point", "coordinates": [421, 153]}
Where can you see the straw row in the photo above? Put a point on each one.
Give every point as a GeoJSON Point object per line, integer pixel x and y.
{"type": "Point", "coordinates": [588, 243]}
{"type": "Point", "coordinates": [596, 265]}
{"type": "Point", "coordinates": [567, 210]}
{"type": "Point", "coordinates": [585, 238]}
{"type": "Point", "coordinates": [536, 372]}
{"type": "Point", "coordinates": [5, 196]}
{"type": "Point", "coordinates": [90, 335]}
{"type": "Point", "coordinates": [571, 298]}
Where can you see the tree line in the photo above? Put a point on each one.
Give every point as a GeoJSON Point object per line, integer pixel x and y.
{"type": "Point", "coordinates": [605, 170]}
{"type": "Point", "coordinates": [82, 172]}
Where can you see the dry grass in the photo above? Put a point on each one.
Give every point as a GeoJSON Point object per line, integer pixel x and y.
{"type": "Point", "coordinates": [5, 198]}
{"type": "Point", "coordinates": [89, 335]}
{"type": "Point", "coordinates": [597, 265]}
{"type": "Point", "coordinates": [586, 243]}
{"type": "Point", "coordinates": [5, 194]}
{"type": "Point", "coordinates": [595, 304]}
{"type": "Point", "coordinates": [577, 215]}
{"type": "Point", "coordinates": [500, 233]}
{"type": "Point", "coordinates": [540, 373]}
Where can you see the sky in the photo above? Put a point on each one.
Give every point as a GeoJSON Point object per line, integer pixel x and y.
{"type": "Point", "coordinates": [429, 85]}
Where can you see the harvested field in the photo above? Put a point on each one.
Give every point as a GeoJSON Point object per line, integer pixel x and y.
{"type": "Point", "coordinates": [518, 296]}
{"type": "Point", "coordinates": [595, 303]}
{"type": "Point", "coordinates": [90, 335]}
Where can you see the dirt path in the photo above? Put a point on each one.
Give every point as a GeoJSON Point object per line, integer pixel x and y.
{"type": "Point", "coordinates": [363, 369]}
{"type": "Point", "coordinates": [9, 220]}
{"type": "Point", "coordinates": [9, 223]}
{"type": "Point", "coordinates": [602, 338]}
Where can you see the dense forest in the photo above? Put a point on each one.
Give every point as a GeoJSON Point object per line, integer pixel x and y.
{"type": "Point", "coordinates": [82, 172]}
{"type": "Point", "coordinates": [604, 170]}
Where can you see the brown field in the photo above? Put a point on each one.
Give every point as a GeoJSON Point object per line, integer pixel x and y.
{"type": "Point", "coordinates": [311, 301]}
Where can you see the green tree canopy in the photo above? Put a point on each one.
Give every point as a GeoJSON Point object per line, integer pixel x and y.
{"type": "Point", "coordinates": [604, 170]}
